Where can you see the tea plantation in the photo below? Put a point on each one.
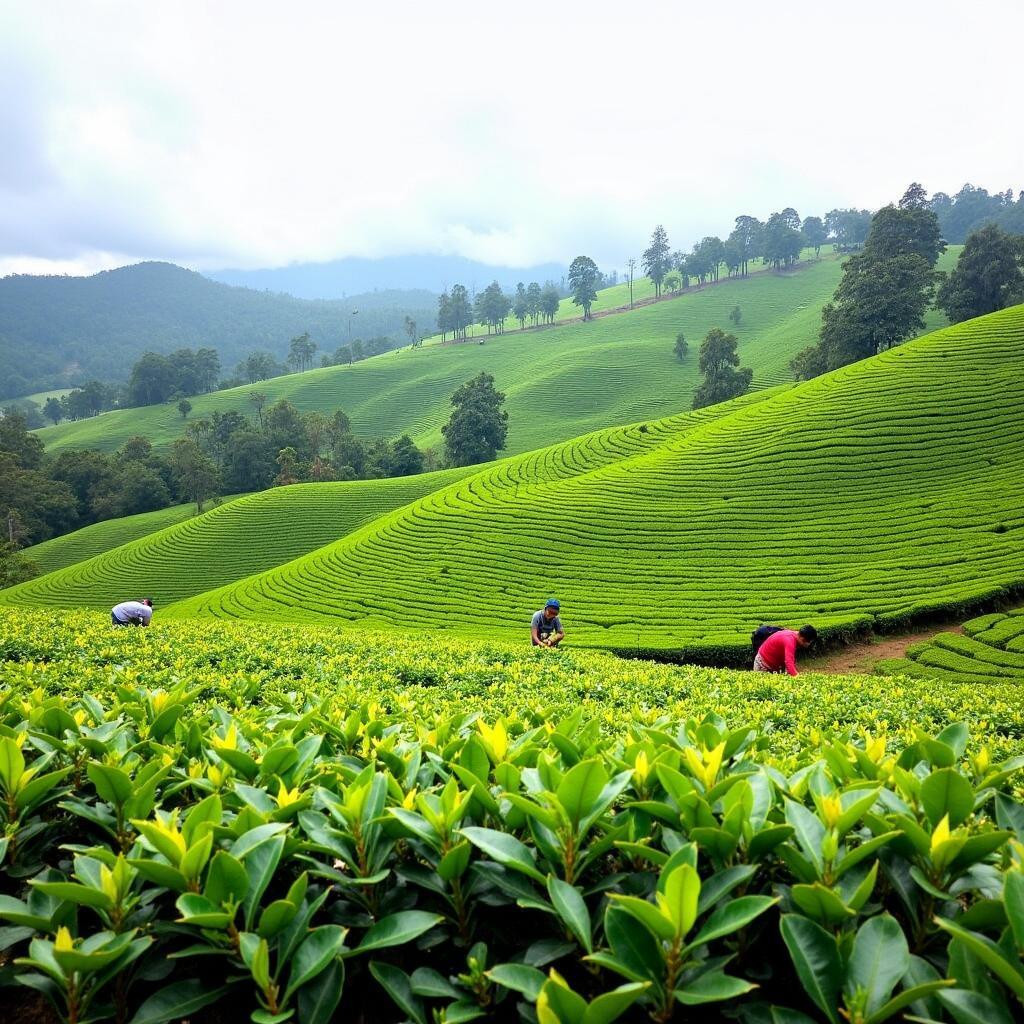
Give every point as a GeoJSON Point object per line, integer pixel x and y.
{"type": "Point", "coordinates": [97, 538]}
{"type": "Point", "coordinates": [229, 542]}
{"type": "Point", "coordinates": [876, 495]}
{"type": "Point", "coordinates": [227, 821]}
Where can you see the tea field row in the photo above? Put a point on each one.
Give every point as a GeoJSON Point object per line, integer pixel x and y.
{"type": "Point", "coordinates": [227, 543]}
{"type": "Point", "coordinates": [990, 650]}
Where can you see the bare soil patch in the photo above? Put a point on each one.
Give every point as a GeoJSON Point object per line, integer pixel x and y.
{"type": "Point", "coordinates": [861, 657]}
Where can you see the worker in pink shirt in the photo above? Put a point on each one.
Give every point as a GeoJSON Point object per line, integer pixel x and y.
{"type": "Point", "coordinates": [778, 652]}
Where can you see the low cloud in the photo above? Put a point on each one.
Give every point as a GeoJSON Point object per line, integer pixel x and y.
{"type": "Point", "coordinates": [234, 134]}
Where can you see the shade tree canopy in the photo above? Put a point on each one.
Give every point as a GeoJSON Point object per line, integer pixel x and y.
{"type": "Point", "coordinates": [583, 280]}
{"type": "Point", "coordinates": [478, 426]}
{"type": "Point", "coordinates": [988, 276]}
{"type": "Point", "coordinates": [719, 362]}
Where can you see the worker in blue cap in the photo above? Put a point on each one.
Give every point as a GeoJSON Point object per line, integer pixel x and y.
{"type": "Point", "coordinates": [546, 626]}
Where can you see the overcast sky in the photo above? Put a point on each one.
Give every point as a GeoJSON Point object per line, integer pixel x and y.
{"type": "Point", "coordinates": [257, 134]}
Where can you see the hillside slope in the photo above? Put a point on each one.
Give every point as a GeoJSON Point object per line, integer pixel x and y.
{"type": "Point", "coordinates": [871, 495]}
{"type": "Point", "coordinates": [241, 537]}
{"type": "Point", "coordinates": [561, 382]}
{"type": "Point", "coordinates": [60, 552]}
{"type": "Point", "coordinates": [76, 328]}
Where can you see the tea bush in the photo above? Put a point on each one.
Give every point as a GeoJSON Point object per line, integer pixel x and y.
{"type": "Point", "coordinates": [304, 825]}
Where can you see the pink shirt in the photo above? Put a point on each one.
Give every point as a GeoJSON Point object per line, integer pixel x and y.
{"type": "Point", "coordinates": [779, 651]}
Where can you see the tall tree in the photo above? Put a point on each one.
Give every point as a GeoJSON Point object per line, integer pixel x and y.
{"type": "Point", "coordinates": [746, 236]}
{"type": "Point", "coordinates": [52, 410]}
{"type": "Point", "coordinates": [444, 314]}
{"type": "Point", "coordinates": [259, 400]}
{"type": "Point", "coordinates": [461, 311]}
{"type": "Point", "coordinates": [533, 294]}
{"type": "Point", "coordinates": [583, 278]}
{"type": "Point", "coordinates": [410, 330]}
{"type": "Point", "coordinates": [153, 380]}
{"type": "Point", "coordinates": [550, 300]}
{"type": "Point", "coordinates": [814, 234]}
{"type": "Point", "coordinates": [782, 241]}
{"type": "Point", "coordinates": [196, 473]}
{"type": "Point", "coordinates": [478, 426]}
{"type": "Point", "coordinates": [878, 304]}
{"type": "Point", "coordinates": [989, 276]}
{"type": "Point", "coordinates": [300, 351]}
{"type": "Point", "coordinates": [520, 305]}
{"type": "Point", "coordinates": [492, 308]}
{"type": "Point", "coordinates": [656, 259]}
{"type": "Point", "coordinates": [720, 363]}
{"type": "Point", "coordinates": [910, 227]}
{"type": "Point", "coordinates": [848, 229]}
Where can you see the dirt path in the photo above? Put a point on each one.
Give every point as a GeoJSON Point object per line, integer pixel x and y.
{"type": "Point", "coordinates": [861, 657]}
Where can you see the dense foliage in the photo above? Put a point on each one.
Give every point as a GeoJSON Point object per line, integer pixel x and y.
{"type": "Point", "coordinates": [77, 328]}
{"type": "Point", "coordinates": [972, 208]}
{"type": "Point", "coordinates": [719, 361]}
{"type": "Point", "coordinates": [478, 425]}
{"type": "Point", "coordinates": [300, 826]}
{"type": "Point", "coordinates": [44, 497]}
{"type": "Point", "coordinates": [988, 276]}
{"type": "Point", "coordinates": [885, 290]}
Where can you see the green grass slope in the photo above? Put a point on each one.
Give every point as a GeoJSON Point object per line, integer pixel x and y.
{"type": "Point", "coordinates": [874, 494]}
{"type": "Point", "coordinates": [241, 537]}
{"type": "Point", "coordinates": [97, 538]}
{"type": "Point", "coordinates": [561, 381]}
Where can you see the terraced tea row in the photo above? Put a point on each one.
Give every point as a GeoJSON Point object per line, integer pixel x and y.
{"type": "Point", "coordinates": [872, 495]}
{"type": "Point", "coordinates": [990, 650]}
{"type": "Point", "coordinates": [227, 543]}
{"type": "Point", "coordinates": [97, 538]}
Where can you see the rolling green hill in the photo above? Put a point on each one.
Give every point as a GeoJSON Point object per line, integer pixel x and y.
{"type": "Point", "coordinates": [60, 552]}
{"type": "Point", "coordinates": [561, 381]}
{"type": "Point", "coordinates": [76, 328]}
{"type": "Point", "coordinates": [235, 539]}
{"type": "Point", "coordinates": [880, 492]}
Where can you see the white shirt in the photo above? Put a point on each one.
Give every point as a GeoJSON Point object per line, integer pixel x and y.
{"type": "Point", "coordinates": [130, 611]}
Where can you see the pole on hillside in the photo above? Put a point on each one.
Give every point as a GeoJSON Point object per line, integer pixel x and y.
{"type": "Point", "coordinates": [631, 264]}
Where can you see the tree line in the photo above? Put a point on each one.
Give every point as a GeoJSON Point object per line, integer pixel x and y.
{"type": "Point", "coordinates": [43, 496]}
{"type": "Point", "coordinates": [973, 208]}
{"type": "Point", "coordinates": [458, 310]}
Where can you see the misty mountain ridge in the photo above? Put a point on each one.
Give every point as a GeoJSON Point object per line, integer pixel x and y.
{"type": "Point", "coordinates": [60, 331]}
{"type": "Point", "coordinates": [343, 278]}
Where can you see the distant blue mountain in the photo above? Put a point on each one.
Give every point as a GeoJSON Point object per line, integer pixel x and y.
{"type": "Point", "coordinates": [338, 279]}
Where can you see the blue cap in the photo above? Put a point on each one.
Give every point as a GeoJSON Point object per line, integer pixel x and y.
{"type": "Point", "coordinates": [553, 603]}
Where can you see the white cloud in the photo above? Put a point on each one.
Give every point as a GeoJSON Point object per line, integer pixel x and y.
{"type": "Point", "coordinates": [252, 134]}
